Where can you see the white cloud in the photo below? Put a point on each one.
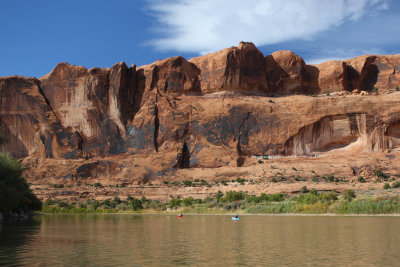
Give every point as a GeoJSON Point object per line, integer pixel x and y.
{"type": "Point", "coordinates": [210, 25]}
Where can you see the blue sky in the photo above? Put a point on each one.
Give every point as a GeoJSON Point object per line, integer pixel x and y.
{"type": "Point", "coordinates": [36, 35]}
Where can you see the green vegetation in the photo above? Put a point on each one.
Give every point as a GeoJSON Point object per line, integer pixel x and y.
{"type": "Point", "coordinates": [307, 202]}
{"type": "Point", "coordinates": [396, 184]}
{"type": "Point", "coordinates": [330, 178]}
{"type": "Point", "coordinates": [348, 195]}
{"type": "Point", "coordinates": [397, 88]}
{"type": "Point", "coordinates": [188, 183]}
{"type": "Point", "coordinates": [241, 180]}
{"type": "Point", "coordinates": [370, 206]}
{"type": "Point", "coordinates": [380, 174]}
{"type": "Point", "coordinates": [299, 178]}
{"type": "Point", "coordinates": [386, 186]}
{"type": "Point", "coordinates": [15, 194]}
{"type": "Point", "coordinates": [304, 189]}
{"type": "Point", "coordinates": [374, 90]}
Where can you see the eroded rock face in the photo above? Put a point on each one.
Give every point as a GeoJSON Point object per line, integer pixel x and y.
{"type": "Point", "coordinates": [235, 68]}
{"type": "Point", "coordinates": [29, 123]}
{"type": "Point", "coordinates": [363, 73]}
{"type": "Point", "coordinates": [172, 75]}
{"type": "Point", "coordinates": [184, 114]}
{"type": "Point", "coordinates": [99, 168]}
{"type": "Point", "coordinates": [81, 99]}
{"type": "Point", "coordinates": [377, 71]}
{"type": "Point", "coordinates": [331, 132]}
{"type": "Point", "coordinates": [218, 130]}
{"type": "Point", "coordinates": [286, 73]}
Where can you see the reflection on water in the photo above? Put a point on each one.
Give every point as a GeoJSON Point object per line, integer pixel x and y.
{"type": "Point", "coordinates": [13, 237]}
{"type": "Point", "coordinates": [160, 240]}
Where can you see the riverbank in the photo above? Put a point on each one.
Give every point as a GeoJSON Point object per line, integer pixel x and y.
{"type": "Point", "coordinates": [307, 202]}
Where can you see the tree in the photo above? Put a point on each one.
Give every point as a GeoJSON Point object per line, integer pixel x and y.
{"type": "Point", "coordinates": [349, 195]}
{"type": "Point", "coordinates": [15, 194]}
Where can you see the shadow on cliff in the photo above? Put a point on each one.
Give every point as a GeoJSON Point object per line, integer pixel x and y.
{"type": "Point", "coordinates": [14, 146]}
{"type": "Point", "coordinates": [351, 78]}
{"type": "Point", "coordinates": [281, 83]}
{"type": "Point", "coordinates": [369, 75]}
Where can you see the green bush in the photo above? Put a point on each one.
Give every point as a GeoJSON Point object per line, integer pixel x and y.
{"type": "Point", "coordinates": [188, 201]}
{"type": "Point", "coordinates": [397, 88]}
{"type": "Point", "coordinates": [314, 191]}
{"type": "Point", "coordinates": [260, 161]}
{"type": "Point", "coordinates": [275, 197]}
{"type": "Point", "coordinates": [219, 195]}
{"type": "Point", "coordinates": [315, 179]}
{"type": "Point", "coordinates": [374, 90]}
{"type": "Point", "coordinates": [231, 196]}
{"type": "Point", "coordinates": [97, 184]}
{"type": "Point", "coordinates": [330, 178]}
{"type": "Point", "coordinates": [386, 186]}
{"type": "Point", "coordinates": [299, 178]}
{"type": "Point", "coordinates": [304, 190]}
{"type": "Point", "coordinates": [314, 197]}
{"type": "Point", "coordinates": [15, 194]}
{"type": "Point", "coordinates": [348, 195]}
{"type": "Point", "coordinates": [361, 179]}
{"type": "Point", "coordinates": [117, 200]}
{"type": "Point", "coordinates": [396, 184]}
{"type": "Point", "coordinates": [204, 183]}
{"type": "Point", "coordinates": [264, 198]}
{"type": "Point", "coordinates": [380, 174]}
{"type": "Point", "coordinates": [188, 183]}
{"type": "Point", "coordinates": [240, 180]}
{"type": "Point", "coordinates": [136, 204]}
{"type": "Point", "coordinates": [175, 202]}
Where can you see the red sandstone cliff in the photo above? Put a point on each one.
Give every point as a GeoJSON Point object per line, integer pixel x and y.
{"type": "Point", "coordinates": [210, 111]}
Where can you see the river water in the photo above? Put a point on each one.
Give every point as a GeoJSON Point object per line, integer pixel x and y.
{"type": "Point", "coordinates": [200, 240]}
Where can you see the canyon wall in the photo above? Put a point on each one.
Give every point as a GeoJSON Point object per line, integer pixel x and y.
{"type": "Point", "coordinates": [209, 111]}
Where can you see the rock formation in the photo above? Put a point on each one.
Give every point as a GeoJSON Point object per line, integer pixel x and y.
{"type": "Point", "coordinates": [210, 111]}
{"type": "Point", "coordinates": [235, 68]}
{"type": "Point", "coordinates": [30, 124]}
{"type": "Point", "coordinates": [363, 73]}
{"type": "Point", "coordinates": [287, 73]}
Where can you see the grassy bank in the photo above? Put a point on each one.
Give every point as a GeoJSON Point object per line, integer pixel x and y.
{"type": "Point", "coordinates": [307, 202]}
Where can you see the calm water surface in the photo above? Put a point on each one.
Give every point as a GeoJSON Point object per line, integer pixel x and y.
{"type": "Point", "coordinates": [165, 240]}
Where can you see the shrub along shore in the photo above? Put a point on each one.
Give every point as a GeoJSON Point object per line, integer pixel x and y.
{"type": "Point", "coordinates": [307, 202]}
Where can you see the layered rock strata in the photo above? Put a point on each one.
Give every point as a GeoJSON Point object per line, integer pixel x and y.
{"type": "Point", "coordinates": [210, 111]}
